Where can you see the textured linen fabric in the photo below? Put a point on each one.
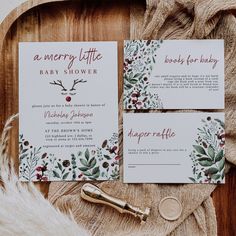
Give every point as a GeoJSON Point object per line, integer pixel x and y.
{"type": "Point", "coordinates": [165, 19]}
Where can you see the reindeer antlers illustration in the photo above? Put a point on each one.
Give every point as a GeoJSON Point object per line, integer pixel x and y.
{"type": "Point", "coordinates": [76, 81]}
{"type": "Point", "coordinates": [59, 83]}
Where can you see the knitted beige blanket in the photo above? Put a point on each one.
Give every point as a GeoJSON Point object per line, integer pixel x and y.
{"type": "Point", "coordinates": [166, 19]}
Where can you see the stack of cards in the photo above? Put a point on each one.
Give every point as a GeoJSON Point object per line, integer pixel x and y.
{"type": "Point", "coordinates": [69, 111]}
{"type": "Point", "coordinates": [174, 147]}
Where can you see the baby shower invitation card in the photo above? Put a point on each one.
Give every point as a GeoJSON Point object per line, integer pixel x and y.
{"type": "Point", "coordinates": [173, 74]}
{"type": "Point", "coordinates": [174, 147]}
{"type": "Point", "coordinates": [68, 111]}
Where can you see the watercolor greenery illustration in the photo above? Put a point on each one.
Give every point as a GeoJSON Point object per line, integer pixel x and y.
{"type": "Point", "coordinates": [139, 58]}
{"type": "Point", "coordinates": [208, 152]}
{"type": "Point", "coordinates": [29, 157]}
{"type": "Point", "coordinates": [102, 163]}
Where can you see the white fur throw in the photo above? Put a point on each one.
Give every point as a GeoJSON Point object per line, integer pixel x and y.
{"type": "Point", "coordinates": [23, 209]}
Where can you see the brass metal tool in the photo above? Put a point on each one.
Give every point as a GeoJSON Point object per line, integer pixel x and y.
{"type": "Point", "coordinates": [92, 193]}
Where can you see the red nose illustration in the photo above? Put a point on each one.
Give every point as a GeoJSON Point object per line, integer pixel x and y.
{"type": "Point", "coordinates": [64, 90]}
{"type": "Point", "coordinates": [68, 98]}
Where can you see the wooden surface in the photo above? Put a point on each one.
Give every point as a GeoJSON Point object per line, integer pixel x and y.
{"type": "Point", "coordinates": [81, 21]}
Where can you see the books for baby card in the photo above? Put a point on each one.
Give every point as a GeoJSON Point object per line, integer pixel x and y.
{"type": "Point", "coordinates": [173, 74]}
{"type": "Point", "coordinates": [68, 111]}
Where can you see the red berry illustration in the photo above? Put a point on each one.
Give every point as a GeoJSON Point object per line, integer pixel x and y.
{"type": "Point", "coordinates": [39, 168]}
{"type": "Point", "coordinates": [44, 178]}
{"type": "Point", "coordinates": [68, 98]}
{"type": "Point", "coordinates": [38, 176]}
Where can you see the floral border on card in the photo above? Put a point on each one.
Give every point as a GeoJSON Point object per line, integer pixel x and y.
{"type": "Point", "coordinates": [139, 58]}
{"type": "Point", "coordinates": [208, 154]}
{"type": "Point", "coordinates": [101, 163]}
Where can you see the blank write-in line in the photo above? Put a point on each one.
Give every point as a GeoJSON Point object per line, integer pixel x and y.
{"type": "Point", "coordinates": [177, 164]}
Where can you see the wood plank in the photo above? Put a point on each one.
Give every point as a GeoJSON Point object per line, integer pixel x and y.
{"type": "Point", "coordinates": [16, 13]}
{"type": "Point", "coordinates": [67, 21]}
{"type": "Point", "coordinates": [224, 200]}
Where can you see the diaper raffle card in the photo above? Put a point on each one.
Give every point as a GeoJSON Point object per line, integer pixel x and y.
{"type": "Point", "coordinates": [174, 74]}
{"type": "Point", "coordinates": [174, 147]}
{"type": "Point", "coordinates": [68, 111]}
